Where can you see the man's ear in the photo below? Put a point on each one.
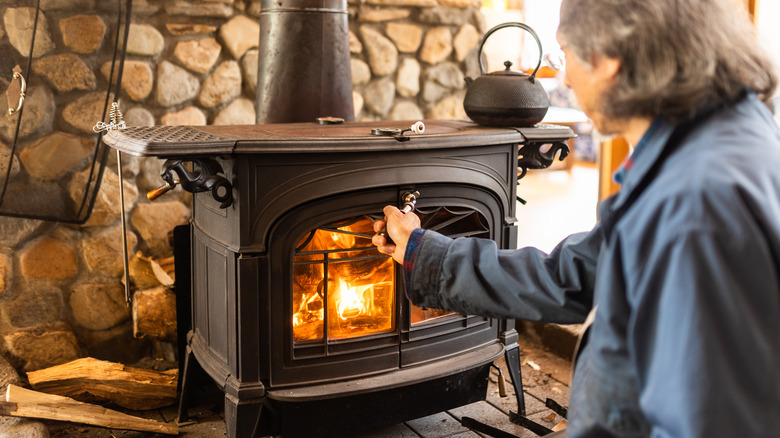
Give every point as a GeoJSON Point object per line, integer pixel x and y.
{"type": "Point", "coordinates": [605, 67]}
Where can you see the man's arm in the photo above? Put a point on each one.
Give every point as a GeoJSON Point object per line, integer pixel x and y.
{"type": "Point", "coordinates": [473, 276]}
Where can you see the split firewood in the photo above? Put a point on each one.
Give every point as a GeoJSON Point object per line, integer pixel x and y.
{"type": "Point", "coordinates": [142, 274]}
{"type": "Point", "coordinates": [154, 314]}
{"type": "Point", "coordinates": [146, 272]}
{"type": "Point", "coordinates": [164, 270]}
{"type": "Point", "coordinates": [95, 381]}
{"type": "Point", "coordinates": [20, 402]}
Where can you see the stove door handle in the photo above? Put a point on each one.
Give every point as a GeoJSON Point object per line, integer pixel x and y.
{"type": "Point", "coordinates": [410, 201]}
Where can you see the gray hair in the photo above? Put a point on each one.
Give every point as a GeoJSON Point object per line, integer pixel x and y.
{"type": "Point", "coordinates": [677, 56]}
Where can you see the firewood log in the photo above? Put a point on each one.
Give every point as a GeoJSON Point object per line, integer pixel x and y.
{"type": "Point", "coordinates": [164, 270]}
{"type": "Point", "coordinates": [154, 314]}
{"type": "Point", "coordinates": [96, 381]}
{"type": "Point", "coordinates": [20, 402]}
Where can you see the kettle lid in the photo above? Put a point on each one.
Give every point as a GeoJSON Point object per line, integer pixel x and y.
{"type": "Point", "coordinates": [508, 71]}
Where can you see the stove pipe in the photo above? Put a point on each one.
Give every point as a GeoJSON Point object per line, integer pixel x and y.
{"type": "Point", "coordinates": [304, 61]}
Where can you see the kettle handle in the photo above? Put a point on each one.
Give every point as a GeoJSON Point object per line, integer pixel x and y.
{"type": "Point", "coordinates": [502, 26]}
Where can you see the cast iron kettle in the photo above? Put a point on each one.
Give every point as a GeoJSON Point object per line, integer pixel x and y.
{"type": "Point", "coordinates": [507, 97]}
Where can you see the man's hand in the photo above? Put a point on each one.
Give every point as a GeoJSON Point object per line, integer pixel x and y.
{"type": "Point", "coordinates": [399, 228]}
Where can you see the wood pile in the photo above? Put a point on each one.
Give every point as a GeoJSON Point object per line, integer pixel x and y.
{"type": "Point", "coordinates": [154, 302]}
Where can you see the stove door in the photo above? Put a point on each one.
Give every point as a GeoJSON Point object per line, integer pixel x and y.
{"type": "Point", "coordinates": [54, 76]}
{"type": "Point", "coordinates": [338, 305]}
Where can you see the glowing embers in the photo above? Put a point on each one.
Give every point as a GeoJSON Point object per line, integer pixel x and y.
{"type": "Point", "coordinates": [423, 314]}
{"type": "Point", "coordinates": [342, 286]}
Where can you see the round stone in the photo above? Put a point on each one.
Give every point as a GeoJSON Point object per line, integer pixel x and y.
{"type": "Point", "coordinates": [189, 116]}
{"type": "Point", "coordinates": [437, 45]}
{"type": "Point", "coordinates": [239, 112]}
{"type": "Point", "coordinates": [144, 40]}
{"type": "Point", "coordinates": [198, 55]}
{"type": "Point", "coordinates": [49, 259]}
{"type": "Point", "coordinates": [222, 86]}
{"type": "Point", "coordinates": [66, 72]}
{"type": "Point", "coordinates": [175, 85]}
{"type": "Point", "coordinates": [83, 33]}
{"type": "Point", "coordinates": [382, 53]}
{"type": "Point", "coordinates": [99, 305]}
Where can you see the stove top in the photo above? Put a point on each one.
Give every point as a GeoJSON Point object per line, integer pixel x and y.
{"type": "Point", "coordinates": [180, 141]}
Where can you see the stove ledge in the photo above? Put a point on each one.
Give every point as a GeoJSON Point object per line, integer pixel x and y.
{"type": "Point", "coordinates": [403, 377]}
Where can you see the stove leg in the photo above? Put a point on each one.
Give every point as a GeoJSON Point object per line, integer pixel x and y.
{"type": "Point", "coordinates": [186, 385]}
{"type": "Point", "coordinates": [512, 357]}
{"type": "Point", "coordinates": [241, 417]}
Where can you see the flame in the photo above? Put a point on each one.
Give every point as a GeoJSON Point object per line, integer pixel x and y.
{"type": "Point", "coordinates": [343, 240]}
{"type": "Point", "coordinates": [352, 303]}
{"type": "Point", "coordinates": [305, 313]}
{"type": "Point", "coordinates": [341, 289]}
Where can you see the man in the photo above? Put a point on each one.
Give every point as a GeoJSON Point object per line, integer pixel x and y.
{"type": "Point", "coordinates": [680, 279]}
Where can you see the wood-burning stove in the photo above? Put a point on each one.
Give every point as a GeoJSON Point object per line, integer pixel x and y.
{"type": "Point", "coordinates": [295, 315]}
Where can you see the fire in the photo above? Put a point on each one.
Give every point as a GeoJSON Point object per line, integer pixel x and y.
{"type": "Point", "coordinates": [310, 307]}
{"type": "Point", "coordinates": [343, 240]}
{"type": "Point", "coordinates": [343, 288]}
{"type": "Point", "coordinates": [352, 310]}
{"type": "Point", "coordinates": [352, 303]}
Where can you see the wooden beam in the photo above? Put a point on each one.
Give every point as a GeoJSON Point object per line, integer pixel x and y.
{"type": "Point", "coordinates": [612, 154]}
{"type": "Point", "coordinates": [20, 402]}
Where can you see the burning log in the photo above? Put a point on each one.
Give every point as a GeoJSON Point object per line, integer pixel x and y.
{"type": "Point", "coordinates": [20, 402]}
{"type": "Point", "coordinates": [93, 380]}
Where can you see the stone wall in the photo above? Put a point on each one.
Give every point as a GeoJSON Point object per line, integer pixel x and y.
{"type": "Point", "coordinates": [188, 63]}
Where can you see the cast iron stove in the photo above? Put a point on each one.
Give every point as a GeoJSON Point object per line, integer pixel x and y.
{"type": "Point", "coordinates": [294, 313]}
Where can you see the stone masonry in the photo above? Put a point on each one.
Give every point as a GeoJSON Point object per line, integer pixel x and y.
{"type": "Point", "coordinates": [188, 63]}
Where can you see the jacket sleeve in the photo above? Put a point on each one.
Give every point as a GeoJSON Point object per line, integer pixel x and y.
{"type": "Point", "coordinates": [473, 276]}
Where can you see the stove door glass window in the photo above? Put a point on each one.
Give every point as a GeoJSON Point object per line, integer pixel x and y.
{"type": "Point", "coordinates": [452, 222]}
{"type": "Point", "coordinates": [342, 287]}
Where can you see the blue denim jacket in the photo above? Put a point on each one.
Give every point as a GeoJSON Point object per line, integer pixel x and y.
{"type": "Point", "coordinates": [685, 341]}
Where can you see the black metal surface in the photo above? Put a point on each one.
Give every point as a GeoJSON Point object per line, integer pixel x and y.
{"type": "Point", "coordinates": [183, 290]}
{"type": "Point", "coordinates": [242, 263]}
{"type": "Point", "coordinates": [557, 408]}
{"type": "Point", "coordinates": [513, 364]}
{"type": "Point", "coordinates": [242, 254]}
{"type": "Point", "coordinates": [336, 417]}
{"type": "Point", "coordinates": [204, 177]}
{"type": "Point", "coordinates": [299, 81]}
{"type": "Point", "coordinates": [532, 155]}
{"type": "Point", "coordinates": [311, 137]}
{"type": "Point", "coordinates": [529, 424]}
{"type": "Point", "coordinates": [26, 194]}
{"type": "Point", "coordinates": [506, 97]}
